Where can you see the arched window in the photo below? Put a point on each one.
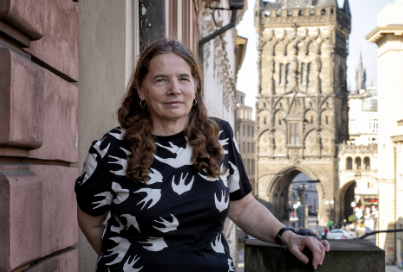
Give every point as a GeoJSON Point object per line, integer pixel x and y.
{"type": "Point", "coordinates": [367, 163]}
{"type": "Point", "coordinates": [349, 163]}
{"type": "Point", "coordinates": [358, 163]}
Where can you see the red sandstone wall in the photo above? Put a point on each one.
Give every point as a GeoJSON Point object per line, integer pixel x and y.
{"type": "Point", "coordinates": [38, 135]}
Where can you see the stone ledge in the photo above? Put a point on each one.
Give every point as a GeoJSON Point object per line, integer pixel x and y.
{"type": "Point", "coordinates": [344, 255]}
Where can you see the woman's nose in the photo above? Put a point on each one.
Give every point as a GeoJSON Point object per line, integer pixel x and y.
{"type": "Point", "coordinates": [174, 87]}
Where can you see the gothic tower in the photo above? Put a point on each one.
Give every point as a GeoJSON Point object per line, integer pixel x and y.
{"type": "Point", "coordinates": [302, 107]}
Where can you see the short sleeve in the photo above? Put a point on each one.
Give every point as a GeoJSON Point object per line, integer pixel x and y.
{"type": "Point", "coordinates": [94, 187]}
{"type": "Point", "coordinates": [238, 181]}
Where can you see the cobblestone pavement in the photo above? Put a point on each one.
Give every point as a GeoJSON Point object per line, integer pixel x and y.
{"type": "Point", "coordinates": [392, 268]}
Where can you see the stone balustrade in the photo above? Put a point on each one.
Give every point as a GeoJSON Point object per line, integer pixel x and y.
{"type": "Point", "coordinates": [344, 255]}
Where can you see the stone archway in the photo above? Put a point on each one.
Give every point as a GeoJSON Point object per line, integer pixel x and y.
{"type": "Point", "coordinates": [278, 188]}
{"type": "Point", "coordinates": [344, 199]}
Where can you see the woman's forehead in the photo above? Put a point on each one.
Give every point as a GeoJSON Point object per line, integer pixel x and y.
{"type": "Point", "coordinates": [168, 63]}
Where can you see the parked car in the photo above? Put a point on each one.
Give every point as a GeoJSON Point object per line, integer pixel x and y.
{"type": "Point", "coordinates": [305, 232]}
{"type": "Point", "coordinates": [340, 234]}
{"type": "Point", "coordinates": [312, 210]}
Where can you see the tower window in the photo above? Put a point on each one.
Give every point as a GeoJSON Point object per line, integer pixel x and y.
{"type": "Point", "coordinates": [300, 12]}
{"type": "Point", "coordinates": [281, 73]}
{"type": "Point", "coordinates": [323, 12]}
{"type": "Point", "coordinates": [309, 72]}
{"type": "Point", "coordinates": [358, 163]}
{"type": "Point", "coordinates": [367, 163]}
{"type": "Point", "coordinates": [303, 73]}
{"type": "Point", "coordinates": [294, 133]}
{"type": "Point", "coordinates": [287, 73]}
{"type": "Point", "coordinates": [349, 163]}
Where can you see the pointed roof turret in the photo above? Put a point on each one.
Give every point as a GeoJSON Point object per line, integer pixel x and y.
{"type": "Point", "coordinates": [361, 75]}
{"type": "Point", "coordinates": [346, 8]}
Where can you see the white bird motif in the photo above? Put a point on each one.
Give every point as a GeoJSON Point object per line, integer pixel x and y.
{"type": "Point", "coordinates": [221, 205]}
{"type": "Point", "coordinates": [105, 228]}
{"type": "Point", "coordinates": [152, 194]}
{"type": "Point", "coordinates": [117, 135]}
{"type": "Point", "coordinates": [120, 249]}
{"type": "Point", "coordinates": [155, 176]}
{"type": "Point", "coordinates": [183, 155]}
{"type": "Point", "coordinates": [157, 244]}
{"type": "Point", "coordinates": [233, 181]}
{"type": "Point", "coordinates": [224, 177]}
{"type": "Point", "coordinates": [117, 229]}
{"type": "Point", "coordinates": [217, 245]}
{"type": "Point", "coordinates": [230, 266]}
{"type": "Point", "coordinates": [168, 225]}
{"type": "Point", "coordinates": [181, 187]}
{"type": "Point", "coordinates": [121, 162]}
{"type": "Point", "coordinates": [236, 145]}
{"type": "Point", "coordinates": [101, 254]}
{"type": "Point", "coordinates": [104, 202]}
{"type": "Point", "coordinates": [90, 163]}
{"type": "Point", "coordinates": [121, 194]}
{"type": "Point", "coordinates": [223, 142]}
{"type": "Point", "coordinates": [128, 266]}
{"type": "Point", "coordinates": [131, 221]}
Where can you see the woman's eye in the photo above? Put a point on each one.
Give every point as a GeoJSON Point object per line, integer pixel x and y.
{"type": "Point", "coordinates": [160, 80]}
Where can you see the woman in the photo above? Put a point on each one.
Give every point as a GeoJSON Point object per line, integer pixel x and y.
{"type": "Point", "coordinates": [170, 176]}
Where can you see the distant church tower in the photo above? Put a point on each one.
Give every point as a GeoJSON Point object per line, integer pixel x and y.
{"type": "Point", "coordinates": [361, 76]}
{"type": "Point", "coordinates": [302, 108]}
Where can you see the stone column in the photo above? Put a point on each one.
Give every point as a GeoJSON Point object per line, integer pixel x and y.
{"type": "Point", "coordinates": [38, 135]}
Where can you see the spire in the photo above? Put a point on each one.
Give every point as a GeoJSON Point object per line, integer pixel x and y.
{"type": "Point", "coordinates": [346, 8]}
{"type": "Point", "coordinates": [361, 75]}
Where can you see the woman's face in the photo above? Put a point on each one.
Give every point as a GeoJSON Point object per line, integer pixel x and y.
{"type": "Point", "coordinates": [169, 89]}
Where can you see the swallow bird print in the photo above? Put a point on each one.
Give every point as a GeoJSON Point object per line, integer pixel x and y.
{"type": "Point", "coordinates": [104, 202]}
{"type": "Point", "coordinates": [157, 244]}
{"type": "Point", "coordinates": [120, 249]}
{"type": "Point", "coordinates": [183, 155]}
{"type": "Point", "coordinates": [233, 181]}
{"type": "Point", "coordinates": [152, 194]}
{"type": "Point", "coordinates": [223, 142]}
{"type": "Point", "coordinates": [155, 176]}
{"type": "Point", "coordinates": [169, 226]}
{"type": "Point", "coordinates": [121, 194]}
{"type": "Point", "coordinates": [217, 244]}
{"type": "Point", "coordinates": [221, 205]}
{"type": "Point", "coordinates": [128, 266]}
{"type": "Point", "coordinates": [131, 221]}
{"type": "Point", "coordinates": [182, 187]}
{"type": "Point", "coordinates": [90, 163]}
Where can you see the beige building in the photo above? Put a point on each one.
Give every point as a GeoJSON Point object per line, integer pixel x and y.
{"type": "Point", "coordinates": [363, 117]}
{"type": "Point", "coordinates": [245, 136]}
{"type": "Point", "coordinates": [302, 111]}
{"type": "Point", "coordinates": [389, 37]}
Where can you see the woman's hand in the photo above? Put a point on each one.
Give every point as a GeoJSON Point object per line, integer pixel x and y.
{"type": "Point", "coordinates": [297, 243]}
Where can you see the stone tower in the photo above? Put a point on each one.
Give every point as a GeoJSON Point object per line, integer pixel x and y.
{"type": "Point", "coordinates": [302, 110]}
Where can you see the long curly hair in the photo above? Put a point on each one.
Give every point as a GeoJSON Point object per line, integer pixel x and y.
{"type": "Point", "coordinates": [201, 131]}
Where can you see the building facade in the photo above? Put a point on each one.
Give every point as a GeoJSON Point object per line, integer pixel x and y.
{"type": "Point", "coordinates": [302, 111]}
{"type": "Point", "coordinates": [51, 110]}
{"type": "Point", "coordinates": [388, 37]}
{"type": "Point", "coordinates": [245, 136]}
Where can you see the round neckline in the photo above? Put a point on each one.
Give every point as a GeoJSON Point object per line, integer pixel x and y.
{"type": "Point", "coordinates": [170, 137]}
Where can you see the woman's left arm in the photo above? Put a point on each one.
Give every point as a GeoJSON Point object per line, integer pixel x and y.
{"type": "Point", "coordinates": [256, 220]}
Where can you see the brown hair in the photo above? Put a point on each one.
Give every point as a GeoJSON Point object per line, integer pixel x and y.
{"type": "Point", "coordinates": [201, 131]}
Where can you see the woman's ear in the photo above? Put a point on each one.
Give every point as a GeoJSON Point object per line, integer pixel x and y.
{"type": "Point", "coordinates": [140, 93]}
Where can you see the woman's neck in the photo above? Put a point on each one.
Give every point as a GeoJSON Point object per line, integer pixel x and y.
{"type": "Point", "coordinates": [169, 128]}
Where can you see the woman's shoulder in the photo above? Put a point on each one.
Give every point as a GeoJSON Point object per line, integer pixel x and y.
{"type": "Point", "coordinates": [111, 143]}
{"type": "Point", "coordinates": [224, 126]}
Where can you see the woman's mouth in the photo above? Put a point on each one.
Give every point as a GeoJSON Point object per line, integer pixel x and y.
{"type": "Point", "coordinates": [174, 103]}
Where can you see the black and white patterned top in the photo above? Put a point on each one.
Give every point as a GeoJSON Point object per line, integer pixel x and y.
{"type": "Point", "coordinates": [175, 221]}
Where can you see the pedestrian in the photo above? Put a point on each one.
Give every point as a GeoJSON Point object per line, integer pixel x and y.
{"type": "Point", "coordinates": [170, 175]}
{"type": "Point", "coordinates": [325, 235]}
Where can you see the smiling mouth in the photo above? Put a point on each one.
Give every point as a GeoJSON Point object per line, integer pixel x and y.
{"type": "Point", "coordinates": [174, 103]}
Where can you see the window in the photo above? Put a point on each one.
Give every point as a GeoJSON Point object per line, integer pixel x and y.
{"type": "Point", "coordinates": [248, 167]}
{"type": "Point", "coordinates": [264, 119]}
{"type": "Point", "coordinates": [243, 130]}
{"type": "Point", "coordinates": [309, 72]}
{"type": "Point", "coordinates": [248, 130]}
{"type": "Point", "coordinates": [370, 104]}
{"type": "Point", "coordinates": [352, 141]}
{"type": "Point", "coordinates": [373, 125]}
{"type": "Point", "coordinates": [252, 132]}
{"type": "Point", "coordinates": [294, 133]}
{"type": "Point", "coordinates": [287, 73]}
{"type": "Point", "coordinates": [367, 163]}
{"type": "Point", "coordinates": [349, 163]}
{"type": "Point", "coordinates": [374, 141]}
{"type": "Point", "coordinates": [281, 73]}
{"type": "Point", "coordinates": [303, 73]}
{"type": "Point", "coordinates": [243, 147]}
{"type": "Point", "coordinates": [358, 163]}
{"type": "Point", "coordinates": [352, 125]}
{"type": "Point", "coordinates": [253, 148]}
{"type": "Point", "coordinates": [248, 147]}
{"type": "Point", "coordinates": [253, 166]}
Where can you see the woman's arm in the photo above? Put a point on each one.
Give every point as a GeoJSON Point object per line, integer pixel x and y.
{"type": "Point", "coordinates": [92, 227]}
{"type": "Point", "coordinates": [256, 220]}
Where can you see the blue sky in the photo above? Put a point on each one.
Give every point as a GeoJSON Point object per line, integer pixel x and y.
{"type": "Point", "coordinates": [364, 20]}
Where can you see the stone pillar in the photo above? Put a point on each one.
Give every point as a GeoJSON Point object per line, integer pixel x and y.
{"type": "Point", "coordinates": [38, 135]}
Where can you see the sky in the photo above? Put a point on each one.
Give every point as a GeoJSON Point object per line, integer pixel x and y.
{"type": "Point", "coordinates": [364, 20]}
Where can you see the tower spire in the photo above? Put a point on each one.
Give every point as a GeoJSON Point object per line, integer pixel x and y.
{"type": "Point", "coordinates": [360, 75]}
{"type": "Point", "coordinates": [346, 8]}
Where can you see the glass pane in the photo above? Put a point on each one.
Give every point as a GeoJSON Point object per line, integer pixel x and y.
{"type": "Point", "coordinates": [281, 74]}
{"type": "Point", "coordinates": [287, 74]}
{"type": "Point", "coordinates": [303, 73]}
{"type": "Point", "coordinates": [292, 139]}
{"type": "Point", "coordinates": [309, 74]}
{"type": "Point", "coordinates": [296, 134]}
